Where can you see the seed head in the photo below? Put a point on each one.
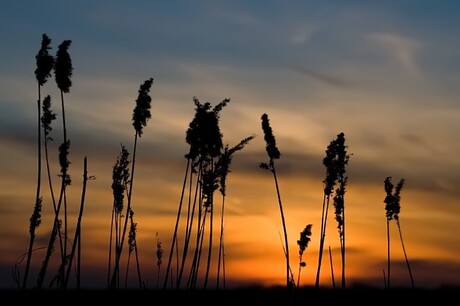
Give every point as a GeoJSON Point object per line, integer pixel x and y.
{"type": "Point", "coordinates": [45, 61]}
{"type": "Point", "coordinates": [63, 67]}
{"type": "Point", "coordinates": [141, 113]}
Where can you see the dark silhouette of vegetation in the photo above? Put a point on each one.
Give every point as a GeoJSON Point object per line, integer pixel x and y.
{"type": "Point", "coordinates": [45, 63]}
{"type": "Point", "coordinates": [77, 236]}
{"type": "Point", "coordinates": [222, 170]}
{"type": "Point", "coordinates": [208, 164]}
{"type": "Point", "coordinates": [159, 254]}
{"type": "Point", "coordinates": [335, 162]}
{"type": "Point", "coordinates": [120, 181]}
{"type": "Point", "coordinates": [340, 163]}
{"type": "Point", "coordinates": [205, 140]}
{"type": "Point", "coordinates": [141, 114]}
{"type": "Point", "coordinates": [392, 208]}
{"type": "Point", "coordinates": [273, 153]}
{"type": "Point", "coordinates": [303, 242]}
{"type": "Point", "coordinates": [62, 72]}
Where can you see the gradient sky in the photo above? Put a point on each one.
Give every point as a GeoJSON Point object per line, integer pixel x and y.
{"type": "Point", "coordinates": [386, 73]}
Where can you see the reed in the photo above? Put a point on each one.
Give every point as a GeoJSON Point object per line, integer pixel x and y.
{"type": "Point", "coordinates": [45, 63]}
{"type": "Point", "coordinates": [62, 73]}
{"type": "Point", "coordinates": [273, 154]}
{"type": "Point", "coordinates": [140, 117]}
{"type": "Point", "coordinates": [303, 242]}
{"type": "Point", "coordinates": [392, 209]}
{"type": "Point", "coordinates": [335, 162]}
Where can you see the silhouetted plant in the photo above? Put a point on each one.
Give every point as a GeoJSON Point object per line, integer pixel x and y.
{"type": "Point", "coordinates": [303, 242]}
{"type": "Point", "coordinates": [159, 254]}
{"type": "Point", "coordinates": [132, 246]}
{"type": "Point", "coordinates": [204, 132]}
{"type": "Point", "coordinates": [45, 63]}
{"type": "Point", "coordinates": [392, 208]}
{"type": "Point", "coordinates": [120, 181]}
{"type": "Point", "coordinates": [341, 161]}
{"type": "Point", "coordinates": [335, 161]}
{"type": "Point", "coordinates": [273, 153]}
{"type": "Point", "coordinates": [205, 140]}
{"type": "Point", "coordinates": [47, 118]}
{"type": "Point", "coordinates": [222, 170]}
{"type": "Point", "coordinates": [62, 72]}
{"type": "Point", "coordinates": [141, 114]}
{"type": "Point", "coordinates": [77, 237]}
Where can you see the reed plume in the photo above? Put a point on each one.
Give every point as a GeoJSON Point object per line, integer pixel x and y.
{"type": "Point", "coordinates": [62, 73]}
{"type": "Point", "coordinates": [303, 242]}
{"type": "Point", "coordinates": [222, 170]}
{"type": "Point", "coordinates": [335, 162]}
{"type": "Point", "coordinates": [273, 154]}
{"type": "Point", "coordinates": [205, 140]}
{"type": "Point", "coordinates": [141, 115]}
{"type": "Point", "coordinates": [44, 62]}
{"type": "Point", "coordinates": [120, 181]}
{"type": "Point", "coordinates": [392, 209]}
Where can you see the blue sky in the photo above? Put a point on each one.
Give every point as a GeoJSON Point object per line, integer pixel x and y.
{"type": "Point", "coordinates": [385, 73]}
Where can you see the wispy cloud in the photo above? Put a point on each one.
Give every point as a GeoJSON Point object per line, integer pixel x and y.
{"type": "Point", "coordinates": [400, 48]}
{"type": "Point", "coordinates": [325, 78]}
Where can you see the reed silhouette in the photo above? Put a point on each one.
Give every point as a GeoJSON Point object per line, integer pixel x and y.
{"type": "Point", "coordinates": [123, 182]}
{"type": "Point", "coordinates": [392, 209]}
{"type": "Point", "coordinates": [273, 154]}
{"type": "Point", "coordinates": [45, 63]}
{"type": "Point", "coordinates": [207, 168]}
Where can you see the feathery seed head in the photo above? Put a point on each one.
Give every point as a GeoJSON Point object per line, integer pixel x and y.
{"type": "Point", "coordinates": [270, 147]}
{"type": "Point", "coordinates": [44, 60]}
{"type": "Point", "coordinates": [120, 179]}
{"type": "Point", "coordinates": [35, 219]}
{"type": "Point", "coordinates": [392, 199]}
{"type": "Point", "coordinates": [48, 116]}
{"type": "Point", "coordinates": [141, 113]}
{"type": "Point", "coordinates": [204, 135]}
{"type": "Point", "coordinates": [304, 239]}
{"type": "Point", "coordinates": [64, 161]}
{"type": "Point", "coordinates": [63, 67]}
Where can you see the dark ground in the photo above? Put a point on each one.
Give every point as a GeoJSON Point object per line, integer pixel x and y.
{"type": "Point", "coordinates": [237, 297]}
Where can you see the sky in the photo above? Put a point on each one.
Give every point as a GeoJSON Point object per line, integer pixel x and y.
{"type": "Point", "coordinates": [384, 73]}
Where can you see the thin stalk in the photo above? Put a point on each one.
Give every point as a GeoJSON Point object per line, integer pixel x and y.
{"type": "Point", "coordinates": [176, 226]}
{"type": "Point", "coordinates": [221, 256]}
{"type": "Point", "coordinates": [78, 228]}
{"type": "Point", "coordinates": [45, 63]}
{"type": "Point", "coordinates": [288, 267]}
{"type": "Point", "coordinates": [332, 268]}
{"type": "Point", "coordinates": [128, 212]}
{"type": "Point", "coordinates": [35, 218]}
{"type": "Point", "coordinates": [388, 255]}
{"type": "Point", "coordinates": [324, 214]}
{"type": "Point", "coordinates": [405, 254]}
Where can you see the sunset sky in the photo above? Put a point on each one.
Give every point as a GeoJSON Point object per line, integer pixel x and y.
{"type": "Point", "coordinates": [385, 73]}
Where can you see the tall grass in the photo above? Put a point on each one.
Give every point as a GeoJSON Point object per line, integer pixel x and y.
{"type": "Point", "coordinates": [207, 168]}
{"type": "Point", "coordinates": [62, 73]}
{"type": "Point", "coordinates": [141, 114]}
{"type": "Point", "coordinates": [76, 242]}
{"type": "Point", "coordinates": [303, 242]}
{"type": "Point", "coordinates": [120, 181]}
{"type": "Point", "coordinates": [335, 162]}
{"type": "Point", "coordinates": [222, 170]}
{"type": "Point", "coordinates": [45, 63]}
{"type": "Point", "coordinates": [392, 209]}
{"type": "Point", "coordinates": [205, 140]}
{"type": "Point", "coordinates": [341, 162]}
{"type": "Point", "coordinates": [273, 154]}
